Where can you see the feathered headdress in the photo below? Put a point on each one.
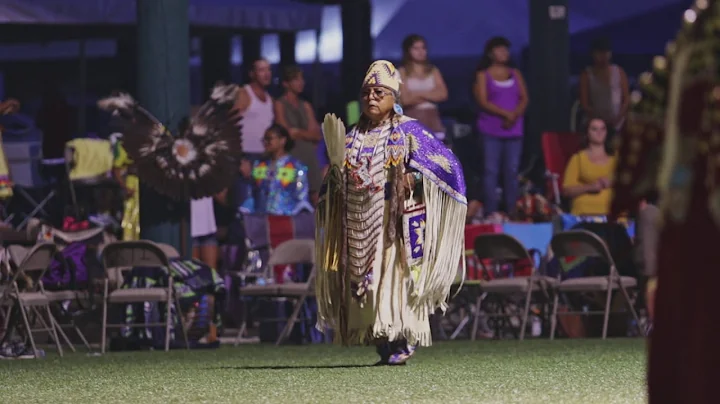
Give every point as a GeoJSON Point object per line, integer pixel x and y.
{"type": "Point", "coordinates": [201, 161]}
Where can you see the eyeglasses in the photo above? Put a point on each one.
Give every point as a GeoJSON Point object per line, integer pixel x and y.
{"type": "Point", "coordinates": [377, 93]}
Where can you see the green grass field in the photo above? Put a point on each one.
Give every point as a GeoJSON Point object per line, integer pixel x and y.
{"type": "Point", "coordinates": [563, 371]}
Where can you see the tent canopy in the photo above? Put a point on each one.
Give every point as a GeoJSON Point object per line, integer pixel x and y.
{"type": "Point", "coordinates": [72, 19]}
{"type": "Point", "coordinates": [475, 21]}
{"type": "Point", "coordinates": [15, 12]}
{"type": "Point", "coordinates": [642, 34]}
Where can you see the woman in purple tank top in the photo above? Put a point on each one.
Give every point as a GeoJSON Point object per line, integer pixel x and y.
{"type": "Point", "coordinates": [501, 93]}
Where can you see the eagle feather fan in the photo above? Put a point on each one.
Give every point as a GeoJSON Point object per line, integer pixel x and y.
{"type": "Point", "coordinates": [201, 161]}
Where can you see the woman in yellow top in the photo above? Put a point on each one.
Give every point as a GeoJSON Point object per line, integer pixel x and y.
{"type": "Point", "coordinates": [124, 173]}
{"type": "Point", "coordinates": [588, 175]}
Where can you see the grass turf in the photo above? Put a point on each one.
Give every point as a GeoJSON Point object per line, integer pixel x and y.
{"type": "Point", "coordinates": [534, 371]}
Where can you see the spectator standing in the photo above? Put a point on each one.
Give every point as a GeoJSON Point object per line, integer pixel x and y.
{"type": "Point", "coordinates": [204, 231]}
{"type": "Point", "coordinates": [256, 106]}
{"type": "Point", "coordinates": [604, 89]}
{"type": "Point", "coordinates": [297, 116]}
{"type": "Point", "coordinates": [422, 86]}
{"type": "Point", "coordinates": [502, 95]}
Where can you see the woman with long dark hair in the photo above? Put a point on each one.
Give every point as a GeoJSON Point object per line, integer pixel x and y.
{"type": "Point", "coordinates": [588, 175]}
{"type": "Point", "coordinates": [502, 95]}
{"type": "Point", "coordinates": [422, 85]}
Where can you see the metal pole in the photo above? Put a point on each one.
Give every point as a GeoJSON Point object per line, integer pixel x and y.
{"type": "Point", "coordinates": [82, 96]}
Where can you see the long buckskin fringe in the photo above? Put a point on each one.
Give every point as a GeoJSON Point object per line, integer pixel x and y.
{"type": "Point", "coordinates": [330, 240]}
{"type": "Point", "coordinates": [443, 248]}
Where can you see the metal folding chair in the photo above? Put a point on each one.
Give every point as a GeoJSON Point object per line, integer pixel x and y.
{"type": "Point", "coordinates": [503, 248]}
{"type": "Point", "coordinates": [16, 179]}
{"type": "Point", "coordinates": [292, 252]}
{"type": "Point", "coordinates": [557, 149]}
{"type": "Point", "coordinates": [582, 243]}
{"type": "Point", "coordinates": [89, 165]}
{"type": "Point", "coordinates": [31, 264]}
{"type": "Point", "coordinates": [124, 255]}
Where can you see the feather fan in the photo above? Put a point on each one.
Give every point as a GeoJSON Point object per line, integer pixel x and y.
{"type": "Point", "coordinates": [334, 134]}
{"type": "Point", "coordinates": [201, 161]}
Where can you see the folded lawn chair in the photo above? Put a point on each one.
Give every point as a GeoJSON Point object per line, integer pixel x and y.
{"type": "Point", "coordinates": [292, 252]}
{"type": "Point", "coordinates": [502, 248]}
{"type": "Point", "coordinates": [582, 243]}
{"type": "Point", "coordinates": [30, 266]}
{"type": "Point", "coordinates": [122, 256]}
{"type": "Point", "coordinates": [10, 189]}
{"type": "Point", "coordinates": [557, 149]}
{"type": "Point", "coordinates": [89, 165]}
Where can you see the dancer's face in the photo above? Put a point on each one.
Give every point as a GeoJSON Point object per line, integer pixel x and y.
{"type": "Point", "coordinates": [377, 102]}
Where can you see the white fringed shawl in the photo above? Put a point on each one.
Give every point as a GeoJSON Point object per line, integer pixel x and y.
{"type": "Point", "coordinates": [444, 246]}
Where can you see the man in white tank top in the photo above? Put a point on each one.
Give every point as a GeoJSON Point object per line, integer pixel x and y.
{"type": "Point", "coordinates": [256, 106]}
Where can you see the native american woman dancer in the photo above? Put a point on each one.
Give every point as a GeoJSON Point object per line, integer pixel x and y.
{"type": "Point", "coordinates": [389, 225]}
{"type": "Point", "coordinates": [672, 143]}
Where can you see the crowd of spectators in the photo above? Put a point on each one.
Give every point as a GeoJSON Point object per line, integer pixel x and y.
{"type": "Point", "coordinates": [285, 155]}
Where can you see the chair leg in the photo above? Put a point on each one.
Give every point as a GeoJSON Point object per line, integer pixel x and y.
{"type": "Point", "coordinates": [103, 338]}
{"type": "Point", "coordinates": [554, 315]}
{"type": "Point", "coordinates": [626, 296]}
{"type": "Point", "coordinates": [460, 327]}
{"type": "Point", "coordinates": [476, 319]}
{"type": "Point", "coordinates": [526, 311]}
{"type": "Point", "coordinates": [243, 323]}
{"type": "Point", "coordinates": [291, 321]}
{"type": "Point", "coordinates": [64, 336]}
{"type": "Point", "coordinates": [168, 322]}
{"type": "Point", "coordinates": [82, 337]}
{"type": "Point", "coordinates": [182, 323]}
{"type": "Point", "coordinates": [606, 319]}
{"type": "Point", "coordinates": [54, 333]}
{"type": "Point", "coordinates": [28, 330]}
{"type": "Point", "coordinates": [6, 317]}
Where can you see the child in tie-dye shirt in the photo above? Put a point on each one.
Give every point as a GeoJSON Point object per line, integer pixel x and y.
{"type": "Point", "coordinates": [280, 182]}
